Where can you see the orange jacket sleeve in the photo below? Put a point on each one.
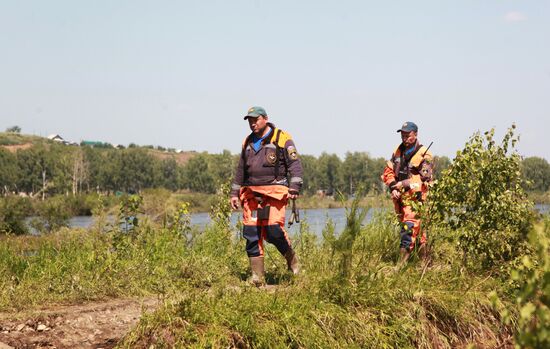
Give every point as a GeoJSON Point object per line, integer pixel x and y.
{"type": "Point", "coordinates": [388, 176]}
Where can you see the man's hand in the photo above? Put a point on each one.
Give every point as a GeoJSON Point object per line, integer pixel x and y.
{"type": "Point", "coordinates": [234, 202]}
{"type": "Point", "coordinates": [293, 195]}
{"type": "Point", "coordinates": [396, 194]}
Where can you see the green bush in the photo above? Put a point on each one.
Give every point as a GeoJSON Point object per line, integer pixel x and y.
{"type": "Point", "coordinates": [13, 211]}
{"type": "Point", "coordinates": [52, 214]}
{"type": "Point", "coordinates": [81, 204]}
{"type": "Point", "coordinates": [480, 199]}
{"type": "Point", "coordinates": [130, 207]}
{"type": "Point", "coordinates": [533, 296]}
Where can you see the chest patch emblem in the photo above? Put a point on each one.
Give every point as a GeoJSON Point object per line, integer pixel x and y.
{"type": "Point", "coordinates": [270, 157]}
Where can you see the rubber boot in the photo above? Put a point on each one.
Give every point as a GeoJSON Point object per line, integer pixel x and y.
{"type": "Point", "coordinates": [292, 261]}
{"type": "Point", "coordinates": [405, 254]}
{"type": "Point", "coordinates": [257, 266]}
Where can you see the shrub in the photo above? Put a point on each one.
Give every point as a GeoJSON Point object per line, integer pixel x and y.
{"type": "Point", "coordinates": [533, 296]}
{"type": "Point", "coordinates": [52, 214]}
{"type": "Point", "coordinates": [13, 211]}
{"type": "Point", "coordinates": [480, 199]}
{"type": "Point", "coordinates": [128, 210]}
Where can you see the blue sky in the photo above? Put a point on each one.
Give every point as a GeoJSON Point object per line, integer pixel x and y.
{"type": "Point", "coordinates": [339, 76]}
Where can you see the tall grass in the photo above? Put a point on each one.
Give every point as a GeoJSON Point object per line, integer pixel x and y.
{"type": "Point", "coordinates": [75, 265]}
{"type": "Point", "coordinates": [349, 295]}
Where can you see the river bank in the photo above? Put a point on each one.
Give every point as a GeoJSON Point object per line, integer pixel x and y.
{"type": "Point", "coordinates": [202, 281]}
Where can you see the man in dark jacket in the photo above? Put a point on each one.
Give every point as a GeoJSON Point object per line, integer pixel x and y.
{"type": "Point", "coordinates": [269, 173]}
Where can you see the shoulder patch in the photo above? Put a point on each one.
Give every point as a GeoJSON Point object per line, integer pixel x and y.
{"type": "Point", "coordinates": [292, 152]}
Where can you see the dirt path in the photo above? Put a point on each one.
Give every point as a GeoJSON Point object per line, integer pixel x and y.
{"type": "Point", "coordinates": [94, 325]}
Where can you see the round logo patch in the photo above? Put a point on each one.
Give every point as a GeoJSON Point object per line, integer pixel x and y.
{"type": "Point", "coordinates": [292, 153]}
{"type": "Point", "coordinates": [271, 158]}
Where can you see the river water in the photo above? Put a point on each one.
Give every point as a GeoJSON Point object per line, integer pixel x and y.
{"type": "Point", "coordinates": [316, 218]}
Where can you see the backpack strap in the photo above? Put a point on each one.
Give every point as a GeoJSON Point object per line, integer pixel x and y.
{"type": "Point", "coordinates": [245, 143]}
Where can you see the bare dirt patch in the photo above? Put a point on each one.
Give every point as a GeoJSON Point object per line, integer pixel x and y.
{"type": "Point", "coordinates": [15, 147]}
{"type": "Point", "coordinates": [181, 158]}
{"type": "Point", "coordinates": [94, 325]}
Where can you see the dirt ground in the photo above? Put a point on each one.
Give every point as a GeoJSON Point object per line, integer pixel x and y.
{"type": "Point", "coordinates": [94, 325]}
{"type": "Point", "coordinates": [14, 148]}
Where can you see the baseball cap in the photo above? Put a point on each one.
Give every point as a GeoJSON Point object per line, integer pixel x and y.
{"type": "Point", "coordinates": [408, 127]}
{"type": "Point", "coordinates": [254, 112]}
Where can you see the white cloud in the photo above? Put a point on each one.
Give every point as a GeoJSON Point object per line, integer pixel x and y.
{"type": "Point", "coordinates": [515, 16]}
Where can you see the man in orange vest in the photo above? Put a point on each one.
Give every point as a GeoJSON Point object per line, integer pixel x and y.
{"type": "Point", "coordinates": [408, 175]}
{"type": "Point", "coordinates": [269, 173]}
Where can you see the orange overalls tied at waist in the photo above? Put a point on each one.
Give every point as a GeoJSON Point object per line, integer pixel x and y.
{"type": "Point", "coordinates": [264, 218]}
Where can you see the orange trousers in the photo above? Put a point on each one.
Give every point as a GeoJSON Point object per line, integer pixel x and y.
{"type": "Point", "coordinates": [264, 210]}
{"type": "Point", "coordinates": [410, 228]}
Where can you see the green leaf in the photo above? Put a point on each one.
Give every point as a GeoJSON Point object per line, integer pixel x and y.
{"type": "Point", "coordinates": [527, 311]}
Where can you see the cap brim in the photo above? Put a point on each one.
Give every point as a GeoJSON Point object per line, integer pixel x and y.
{"type": "Point", "coordinates": [252, 116]}
{"type": "Point", "coordinates": [401, 130]}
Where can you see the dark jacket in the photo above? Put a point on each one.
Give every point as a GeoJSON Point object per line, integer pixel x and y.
{"type": "Point", "coordinates": [275, 163]}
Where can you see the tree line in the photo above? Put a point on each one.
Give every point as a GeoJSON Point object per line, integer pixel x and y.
{"type": "Point", "coordinates": [50, 168]}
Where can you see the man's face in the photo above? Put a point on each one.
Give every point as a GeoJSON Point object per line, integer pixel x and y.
{"type": "Point", "coordinates": [257, 125]}
{"type": "Point", "coordinates": [408, 138]}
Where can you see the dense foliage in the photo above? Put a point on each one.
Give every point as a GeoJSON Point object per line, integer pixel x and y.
{"type": "Point", "coordinates": [537, 172]}
{"type": "Point", "coordinates": [52, 168]}
{"type": "Point", "coordinates": [481, 202]}
{"type": "Point", "coordinates": [13, 211]}
{"type": "Point", "coordinates": [48, 168]}
{"type": "Point", "coordinates": [533, 294]}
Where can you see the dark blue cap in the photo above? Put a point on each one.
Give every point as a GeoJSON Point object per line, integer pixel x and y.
{"type": "Point", "coordinates": [408, 126]}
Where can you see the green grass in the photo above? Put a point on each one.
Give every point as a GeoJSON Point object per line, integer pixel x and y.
{"type": "Point", "coordinates": [349, 295]}
{"type": "Point", "coordinates": [9, 138]}
{"type": "Point", "coordinates": [76, 265]}
{"type": "Point", "coordinates": [340, 301]}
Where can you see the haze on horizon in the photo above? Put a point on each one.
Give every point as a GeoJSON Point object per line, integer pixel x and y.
{"type": "Point", "coordinates": [338, 76]}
